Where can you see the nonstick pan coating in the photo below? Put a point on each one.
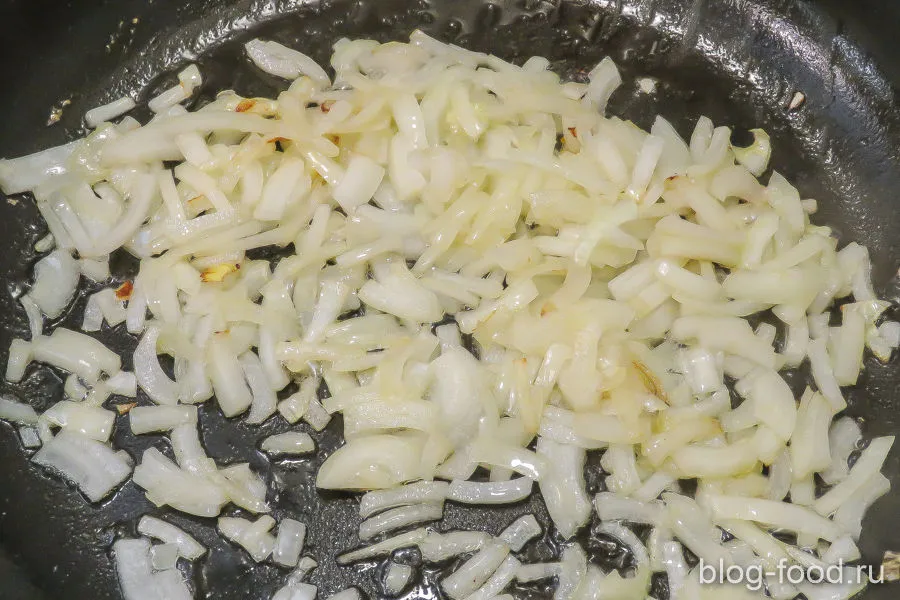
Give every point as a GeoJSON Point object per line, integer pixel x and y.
{"type": "Point", "coordinates": [736, 61]}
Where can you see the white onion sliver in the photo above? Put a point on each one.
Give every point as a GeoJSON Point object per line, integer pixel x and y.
{"type": "Point", "coordinates": [413, 493]}
{"type": "Point", "coordinates": [77, 353]}
{"type": "Point", "coordinates": [275, 59]}
{"type": "Point", "coordinates": [253, 536]}
{"type": "Point", "coordinates": [167, 484]}
{"type": "Point", "coordinates": [384, 547]}
{"type": "Point", "coordinates": [776, 514]}
{"type": "Point", "coordinates": [188, 547]}
{"type": "Point", "coordinates": [473, 573]}
{"type": "Point", "coordinates": [265, 402]}
{"type": "Point", "coordinates": [613, 507]}
{"type": "Point", "coordinates": [520, 532]}
{"type": "Point", "coordinates": [149, 373]}
{"type": "Point", "coordinates": [844, 437]}
{"type": "Point", "coordinates": [108, 112]}
{"type": "Point", "coordinates": [868, 465]}
{"type": "Point", "coordinates": [396, 577]}
{"type": "Point", "coordinates": [91, 465]}
{"type": "Point", "coordinates": [146, 419]}
{"type": "Point", "coordinates": [291, 442]}
{"type": "Point", "coordinates": [164, 556]}
{"type": "Point", "coordinates": [527, 573]}
{"type": "Point", "coordinates": [348, 594]}
{"type": "Point", "coordinates": [563, 488]}
{"type": "Point", "coordinates": [490, 492]}
{"type": "Point", "coordinates": [17, 412]}
{"type": "Point", "coordinates": [55, 279]}
{"type": "Point", "coordinates": [437, 547]}
{"type": "Point", "coordinates": [400, 517]}
{"type": "Point", "coordinates": [289, 543]}
{"type": "Point", "coordinates": [132, 560]}
{"type": "Point", "coordinates": [498, 581]}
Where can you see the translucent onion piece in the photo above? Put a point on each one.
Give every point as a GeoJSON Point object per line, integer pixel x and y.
{"type": "Point", "coordinates": [188, 547]}
{"type": "Point", "coordinates": [91, 465]}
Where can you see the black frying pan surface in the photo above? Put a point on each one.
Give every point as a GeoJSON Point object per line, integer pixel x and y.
{"type": "Point", "coordinates": [736, 61]}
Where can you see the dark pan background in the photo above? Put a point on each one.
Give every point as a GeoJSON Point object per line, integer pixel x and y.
{"type": "Point", "coordinates": [737, 61]}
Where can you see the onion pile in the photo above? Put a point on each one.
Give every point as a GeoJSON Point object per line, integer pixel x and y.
{"type": "Point", "coordinates": [490, 276]}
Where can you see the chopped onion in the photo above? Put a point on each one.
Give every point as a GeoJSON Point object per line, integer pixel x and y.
{"type": "Point", "coordinates": [629, 540]}
{"type": "Point", "coordinates": [400, 517]}
{"type": "Point", "coordinates": [348, 594]}
{"type": "Point", "coordinates": [35, 316]}
{"type": "Point", "coordinates": [264, 402]}
{"type": "Point", "coordinates": [842, 550]}
{"type": "Point", "coordinates": [28, 172]}
{"type": "Point", "coordinates": [520, 460]}
{"type": "Point", "coordinates": [103, 306]}
{"type": "Point", "coordinates": [296, 591]}
{"type": "Point", "coordinates": [527, 573]}
{"type": "Point", "coordinates": [132, 559]}
{"type": "Point", "coordinates": [91, 465]}
{"type": "Point", "coordinates": [820, 365]}
{"type": "Point", "coordinates": [414, 493]}
{"type": "Point", "coordinates": [108, 112]}
{"type": "Point", "coordinates": [810, 451]}
{"type": "Point", "coordinates": [189, 454]}
{"type": "Point", "coordinates": [563, 487]}
{"type": "Point", "coordinates": [289, 543]}
{"type": "Point", "coordinates": [254, 537]}
{"type": "Point", "coordinates": [188, 80]}
{"type": "Point", "coordinates": [702, 370]}
{"type": "Point", "coordinates": [17, 412]}
{"type": "Point", "coordinates": [692, 526]}
{"type": "Point", "coordinates": [676, 568]}
{"type": "Point", "coordinates": [55, 279]}
{"type": "Point", "coordinates": [490, 492]}
{"type": "Point", "coordinates": [374, 462]}
{"type": "Point", "coordinates": [227, 376]}
{"type": "Point", "coordinates": [473, 573]}
{"type": "Point", "coordinates": [140, 196]}
{"type": "Point", "coordinates": [755, 156]}
{"type": "Point", "coordinates": [169, 534]}
{"type": "Point", "coordinates": [868, 465]}
{"type": "Point", "coordinates": [396, 578]}
{"type": "Point", "coordinates": [844, 438]}
{"type": "Point", "coordinates": [149, 373]}
{"type": "Point", "coordinates": [775, 514]}
{"type": "Point", "coordinates": [164, 556]}
{"type": "Point", "coordinates": [359, 183]}
{"type": "Point", "coordinates": [613, 507]}
{"type": "Point", "coordinates": [403, 540]}
{"type": "Point", "coordinates": [77, 353]}
{"type": "Point", "coordinates": [291, 442]}
{"type": "Point", "coordinates": [304, 567]}
{"type": "Point", "coordinates": [146, 419]}
{"type": "Point", "coordinates": [167, 484]}
{"type": "Point", "coordinates": [573, 567]}
{"type": "Point", "coordinates": [520, 532]}
{"type": "Point", "coordinates": [497, 582]}
{"type": "Point", "coordinates": [243, 487]}
{"type": "Point", "coordinates": [398, 293]}
{"type": "Point", "coordinates": [275, 59]}
{"type": "Point", "coordinates": [90, 421]}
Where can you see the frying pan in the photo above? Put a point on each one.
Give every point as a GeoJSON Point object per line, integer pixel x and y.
{"type": "Point", "coordinates": [737, 61]}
